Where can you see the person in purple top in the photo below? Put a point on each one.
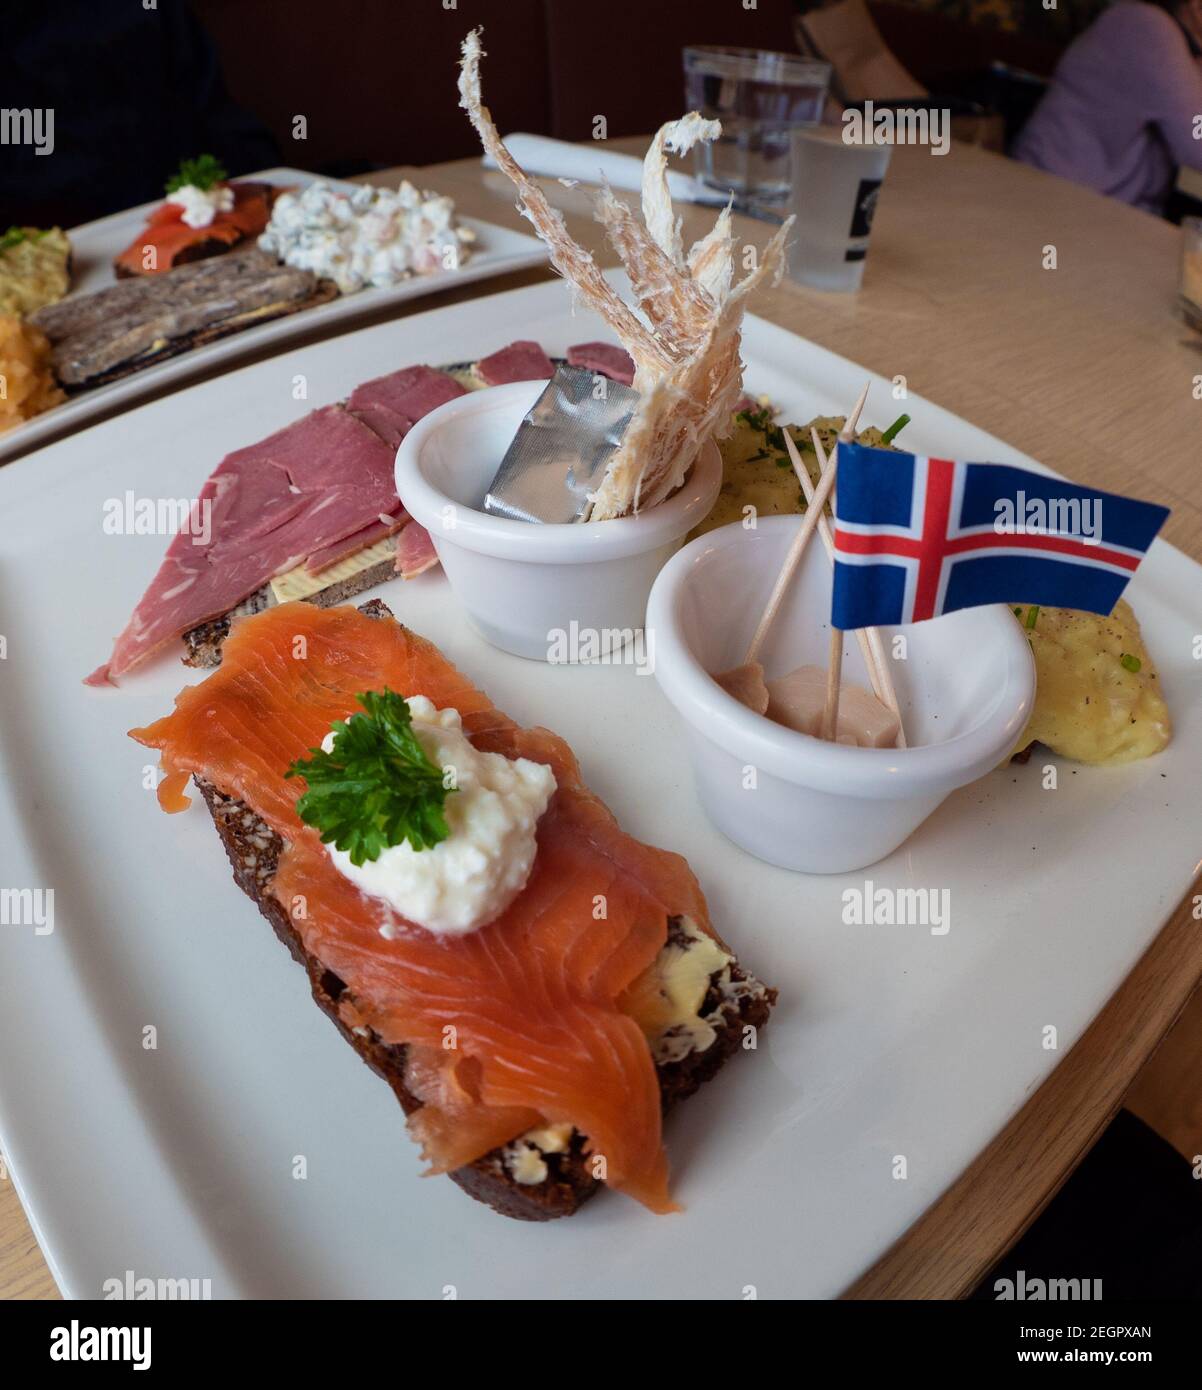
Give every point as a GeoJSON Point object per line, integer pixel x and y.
{"type": "Point", "coordinates": [1124, 108]}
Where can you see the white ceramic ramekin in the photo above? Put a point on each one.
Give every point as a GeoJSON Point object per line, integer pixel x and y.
{"type": "Point", "coordinates": [521, 582]}
{"type": "Point", "coordinates": [965, 687]}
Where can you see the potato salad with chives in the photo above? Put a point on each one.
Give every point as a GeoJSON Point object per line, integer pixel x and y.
{"type": "Point", "coordinates": [371, 237]}
{"type": "Point", "coordinates": [756, 471]}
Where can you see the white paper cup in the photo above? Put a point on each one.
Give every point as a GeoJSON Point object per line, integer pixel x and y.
{"type": "Point", "coordinates": [835, 188]}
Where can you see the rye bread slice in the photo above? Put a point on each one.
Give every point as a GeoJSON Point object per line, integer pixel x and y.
{"type": "Point", "coordinates": [254, 848]}
{"type": "Point", "coordinates": [204, 643]}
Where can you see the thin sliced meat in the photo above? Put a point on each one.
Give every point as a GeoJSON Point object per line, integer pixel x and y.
{"type": "Point", "coordinates": [392, 404]}
{"type": "Point", "coordinates": [520, 361]}
{"type": "Point", "coordinates": [269, 506]}
{"type": "Point", "coordinates": [357, 540]}
{"type": "Point", "coordinates": [388, 424]}
{"type": "Point", "coordinates": [606, 358]}
{"type": "Point", "coordinates": [315, 492]}
{"type": "Point", "coordinates": [532, 996]}
{"type": "Point", "coordinates": [415, 551]}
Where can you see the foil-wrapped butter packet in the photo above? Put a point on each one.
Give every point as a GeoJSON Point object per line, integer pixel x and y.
{"type": "Point", "coordinates": [562, 448]}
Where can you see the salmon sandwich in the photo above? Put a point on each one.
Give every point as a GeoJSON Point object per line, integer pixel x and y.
{"type": "Point", "coordinates": [536, 986]}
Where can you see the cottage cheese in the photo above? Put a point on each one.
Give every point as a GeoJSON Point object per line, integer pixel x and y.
{"type": "Point", "coordinates": [473, 875]}
{"type": "Point", "coordinates": [201, 205]}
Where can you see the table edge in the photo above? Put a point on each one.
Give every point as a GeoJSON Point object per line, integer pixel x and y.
{"type": "Point", "coordinates": [934, 1258]}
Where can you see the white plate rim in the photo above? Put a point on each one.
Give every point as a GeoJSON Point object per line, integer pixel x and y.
{"type": "Point", "coordinates": [1175, 574]}
{"type": "Point", "coordinates": [76, 411]}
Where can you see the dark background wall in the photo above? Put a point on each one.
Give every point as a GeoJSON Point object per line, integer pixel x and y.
{"type": "Point", "coordinates": [135, 90]}
{"type": "Point", "coordinates": [381, 88]}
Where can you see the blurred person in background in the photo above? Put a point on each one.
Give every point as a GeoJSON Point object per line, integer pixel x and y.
{"type": "Point", "coordinates": [133, 90]}
{"type": "Point", "coordinates": [1120, 113]}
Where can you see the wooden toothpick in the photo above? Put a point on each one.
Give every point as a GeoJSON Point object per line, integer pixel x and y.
{"type": "Point", "coordinates": [834, 669]}
{"type": "Point", "coordinates": [834, 679]}
{"type": "Point", "coordinates": [872, 646]}
{"type": "Point", "coordinates": [792, 560]}
{"type": "Point", "coordinates": [863, 635]}
{"type": "Point", "coordinates": [848, 433]}
{"type": "Point", "coordinates": [869, 639]}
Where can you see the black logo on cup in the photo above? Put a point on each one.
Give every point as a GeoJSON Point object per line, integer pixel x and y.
{"type": "Point", "coordinates": [861, 218]}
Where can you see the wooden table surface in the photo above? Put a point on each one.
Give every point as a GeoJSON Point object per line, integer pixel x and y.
{"type": "Point", "coordinates": [1085, 366]}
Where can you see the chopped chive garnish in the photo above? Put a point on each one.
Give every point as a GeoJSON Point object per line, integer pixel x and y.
{"type": "Point", "coordinates": [895, 428]}
{"type": "Point", "coordinates": [1129, 662]}
{"type": "Point", "coordinates": [1032, 615]}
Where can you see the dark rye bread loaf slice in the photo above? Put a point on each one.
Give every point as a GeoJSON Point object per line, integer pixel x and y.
{"type": "Point", "coordinates": [204, 643]}
{"type": "Point", "coordinates": [733, 1006]}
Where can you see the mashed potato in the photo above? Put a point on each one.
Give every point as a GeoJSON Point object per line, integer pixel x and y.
{"type": "Point", "coordinates": [756, 471]}
{"type": "Point", "coordinates": [27, 384]}
{"type": "Point", "coordinates": [35, 268]}
{"type": "Point", "coordinates": [1097, 694]}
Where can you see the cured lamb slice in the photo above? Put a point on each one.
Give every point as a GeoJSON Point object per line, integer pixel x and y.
{"type": "Point", "coordinates": [606, 358]}
{"type": "Point", "coordinates": [414, 551]}
{"type": "Point", "coordinates": [265, 509]}
{"type": "Point", "coordinates": [520, 361]}
{"type": "Point", "coordinates": [391, 405]}
{"type": "Point", "coordinates": [376, 530]}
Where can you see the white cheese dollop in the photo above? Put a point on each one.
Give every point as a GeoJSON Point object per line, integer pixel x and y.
{"type": "Point", "coordinates": [201, 205]}
{"type": "Point", "coordinates": [368, 237]}
{"type": "Point", "coordinates": [473, 875]}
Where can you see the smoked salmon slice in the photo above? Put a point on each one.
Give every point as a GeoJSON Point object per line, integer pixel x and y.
{"type": "Point", "coordinates": [510, 1027]}
{"type": "Point", "coordinates": [171, 237]}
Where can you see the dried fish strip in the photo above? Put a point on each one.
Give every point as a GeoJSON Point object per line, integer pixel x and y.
{"type": "Point", "coordinates": [688, 372]}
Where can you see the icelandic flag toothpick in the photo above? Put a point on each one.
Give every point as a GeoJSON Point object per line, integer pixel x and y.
{"type": "Point", "coordinates": [916, 537]}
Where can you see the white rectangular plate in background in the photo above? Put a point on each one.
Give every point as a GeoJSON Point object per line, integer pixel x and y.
{"type": "Point", "coordinates": [497, 251]}
{"type": "Point", "coordinates": [179, 1160]}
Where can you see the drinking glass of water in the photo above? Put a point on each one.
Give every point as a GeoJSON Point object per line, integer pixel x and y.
{"type": "Point", "coordinates": [760, 98]}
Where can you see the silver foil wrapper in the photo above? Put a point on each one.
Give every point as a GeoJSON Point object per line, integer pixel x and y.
{"type": "Point", "coordinates": [562, 448]}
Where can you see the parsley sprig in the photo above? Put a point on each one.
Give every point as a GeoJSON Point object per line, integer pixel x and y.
{"type": "Point", "coordinates": [376, 786]}
{"type": "Point", "coordinates": [202, 172]}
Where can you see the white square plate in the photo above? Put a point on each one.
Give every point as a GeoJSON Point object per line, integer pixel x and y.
{"type": "Point", "coordinates": [497, 251]}
{"type": "Point", "coordinates": [178, 1161]}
